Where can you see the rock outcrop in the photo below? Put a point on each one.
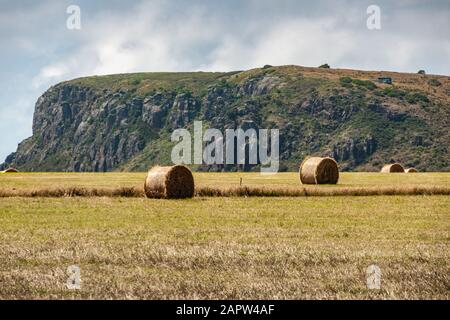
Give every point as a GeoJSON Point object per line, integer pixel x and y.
{"type": "Point", "coordinates": [124, 122]}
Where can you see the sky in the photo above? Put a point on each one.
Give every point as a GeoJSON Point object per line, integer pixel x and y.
{"type": "Point", "coordinates": [38, 50]}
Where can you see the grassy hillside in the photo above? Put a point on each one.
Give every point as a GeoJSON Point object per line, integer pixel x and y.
{"type": "Point", "coordinates": [124, 122]}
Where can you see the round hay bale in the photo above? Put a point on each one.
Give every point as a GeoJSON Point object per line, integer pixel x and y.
{"type": "Point", "coordinates": [174, 182]}
{"type": "Point", "coordinates": [411, 170]}
{"type": "Point", "coordinates": [11, 170]}
{"type": "Point", "coordinates": [393, 168]}
{"type": "Point", "coordinates": [317, 170]}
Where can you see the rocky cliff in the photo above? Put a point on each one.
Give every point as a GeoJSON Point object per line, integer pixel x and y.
{"type": "Point", "coordinates": [124, 122]}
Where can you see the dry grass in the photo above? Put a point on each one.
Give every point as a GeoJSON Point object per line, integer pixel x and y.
{"type": "Point", "coordinates": [285, 179]}
{"type": "Point", "coordinates": [225, 248]}
{"type": "Point", "coordinates": [267, 239]}
{"type": "Point", "coordinates": [224, 184]}
{"type": "Point", "coordinates": [73, 192]}
{"type": "Point", "coordinates": [234, 192]}
{"type": "Point", "coordinates": [410, 81]}
{"type": "Point", "coordinates": [318, 192]}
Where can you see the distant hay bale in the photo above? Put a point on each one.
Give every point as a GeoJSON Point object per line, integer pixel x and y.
{"type": "Point", "coordinates": [10, 170]}
{"type": "Point", "coordinates": [393, 168]}
{"type": "Point", "coordinates": [169, 182]}
{"type": "Point", "coordinates": [317, 170]}
{"type": "Point", "coordinates": [411, 170]}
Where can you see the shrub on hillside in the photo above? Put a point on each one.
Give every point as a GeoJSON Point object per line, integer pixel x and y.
{"type": "Point", "coordinates": [364, 83]}
{"type": "Point", "coordinates": [415, 97]}
{"type": "Point", "coordinates": [434, 82]}
{"type": "Point", "coordinates": [394, 92]}
{"type": "Point", "coordinates": [345, 80]}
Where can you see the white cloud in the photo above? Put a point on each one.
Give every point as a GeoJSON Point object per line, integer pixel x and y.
{"type": "Point", "coordinates": [118, 37]}
{"type": "Point", "coordinates": [154, 36]}
{"type": "Point", "coordinates": [147, 38]}
{"type": "Point", "coordinates": [49, 74]}
{"type": "Point", "coordinates": [292, 41]}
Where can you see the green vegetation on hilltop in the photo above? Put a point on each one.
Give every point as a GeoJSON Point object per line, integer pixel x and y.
{"type": "Point", "coordinates": [124, 122]}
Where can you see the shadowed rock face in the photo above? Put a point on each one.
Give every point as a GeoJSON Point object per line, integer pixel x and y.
{"type": "Point", "coordinates": [356, 150]}
{"type": "Point", "coordinates": [94, 125]}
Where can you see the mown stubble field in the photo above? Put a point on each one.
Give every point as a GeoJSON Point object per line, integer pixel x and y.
{"type": "Point", "coordinates": [224, 248]}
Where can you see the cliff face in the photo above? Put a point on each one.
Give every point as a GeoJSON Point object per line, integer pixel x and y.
{"type": "Point", "coordinates": [124, 122]}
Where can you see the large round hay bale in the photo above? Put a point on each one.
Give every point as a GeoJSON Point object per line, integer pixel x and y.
{"type": "Point", "coordinates": [169, 182]}
{"type": "Point", "coordinates": [393, 168]}
{"type": "Point", "coordinates": [11, 170]}
{"type": "Point", "coordinates": [411, 170]}
{"type": "Point", "coordinates": [317, 170]}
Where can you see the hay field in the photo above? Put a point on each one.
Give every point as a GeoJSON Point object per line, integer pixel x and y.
{"type": "Point", "coordinates": [113, 180]}
{"type": "Point", "coordinates": [224, 247]}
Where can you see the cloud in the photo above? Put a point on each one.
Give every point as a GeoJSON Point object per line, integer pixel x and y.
{"type": "Point", "coordinates": [118, 37]}
{"type": "Point", "coordinates": [160, 36]}
{"type": "Point", "coordinates": [146, 38]}
{"type": "Point", "coordinates": [292, 41]}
